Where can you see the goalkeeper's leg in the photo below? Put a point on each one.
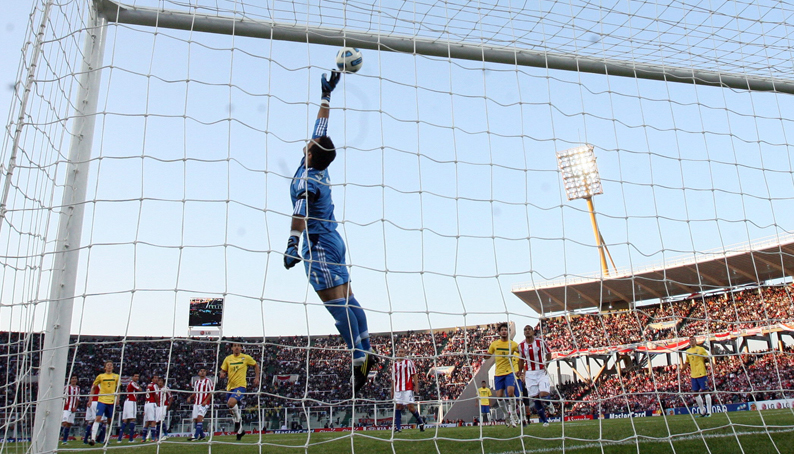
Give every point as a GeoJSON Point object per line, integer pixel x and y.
{"type": "Point", "coordinates": [361, 319]}
{"type": "Point", "coordinates": [347, 325]}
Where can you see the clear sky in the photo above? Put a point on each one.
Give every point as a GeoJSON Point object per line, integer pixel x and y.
{"type": "Point", "coordinates": [446, 184]}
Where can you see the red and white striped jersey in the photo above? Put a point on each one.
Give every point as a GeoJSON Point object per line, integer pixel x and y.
{"type": "Point", "coordinates": [203, 387]}
{"type": "Point", "coordinates": [71, 395]}
{"type": "Point", "coordinates": [402, 373]}
{"type": "Point", "coordinates": [133, 388]}
{"type": "Point", "coordinates": [533, 354]}
{"type": "Point", "coordinates": [165, 396]}
{"type": "Point", "coordinates": [95, 393]}
{"type": "Point", "coordinates": [152, 390]}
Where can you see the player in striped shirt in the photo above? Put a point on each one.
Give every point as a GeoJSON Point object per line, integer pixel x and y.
{"type": "Point", "coordinates": [201, 398]}
{"type": "Point", "coordinates": [71, 398]}
{"type": "Point", "coordinates": [165, 399]}
{"type": "Point", "coordinates": [406, 382]}
{"type": "Point", "coordinates": [90, 413]}
{"type": "Point", "coordinates": [323, 248]}
{"type": "Point", "coordinates": [130, 412]}
{"type": "Point", "coordinates": [150, 410]}
{"type": "Point", "coordinates": [533, 357]}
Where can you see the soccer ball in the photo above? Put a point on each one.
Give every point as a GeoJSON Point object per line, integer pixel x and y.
{"type": "Point", "coordinates": [349, 59]}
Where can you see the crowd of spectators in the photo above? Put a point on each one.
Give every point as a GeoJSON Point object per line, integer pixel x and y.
{"type": "Point", "coordinates": [298, 371]}
{"type": "Point", "coordinates": [314, 371]}
{"type": "Point", "coordinates": [697, 315]}
{"type": "Point", "coordinates": [736, 378]}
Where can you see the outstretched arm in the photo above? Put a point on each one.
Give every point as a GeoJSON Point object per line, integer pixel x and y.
{"type": "Point", "coordinates": [327, 85]}
{"type": "Point", "coordinates": [298, 224]}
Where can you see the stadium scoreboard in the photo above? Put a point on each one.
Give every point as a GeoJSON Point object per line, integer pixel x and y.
{"type": "Point", "coordinates": [205, 317]}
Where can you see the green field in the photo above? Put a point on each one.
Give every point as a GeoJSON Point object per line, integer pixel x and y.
{"type": "Point", "coordinates": [744, 432]}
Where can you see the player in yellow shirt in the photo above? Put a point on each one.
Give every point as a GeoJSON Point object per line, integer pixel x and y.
{"type": "Point", "coordinates": [697, 357]}
{"type": "Point", "coordinates": [485, 402]}
{"type": "Point", "coordinates": [504, 378]}
{"type": "Point", "coordinates": [108, 383]}
{"type": "Point", "coordinates": [236, 367]}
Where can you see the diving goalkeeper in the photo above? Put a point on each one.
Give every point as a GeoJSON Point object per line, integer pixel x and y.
{"type": "Point", "coordinates": [323, 251]}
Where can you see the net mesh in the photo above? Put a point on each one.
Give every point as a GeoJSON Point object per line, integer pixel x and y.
{"type": "Point", "coordinates": [448, 196]}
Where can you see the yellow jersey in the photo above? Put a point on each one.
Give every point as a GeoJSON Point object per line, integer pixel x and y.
{"type": "Point", "coordinates": [516, 357]}
{"type": "Point", "coordinates": [505, 358]}
{"type": "Point", "coordinates": [108, 385]}
{"type": "Point", "coordinates": [697, 357]}
{"type": "Point", "coordinates": [484, 394]}
{"type": "Point", "coordinates": [237, 368]}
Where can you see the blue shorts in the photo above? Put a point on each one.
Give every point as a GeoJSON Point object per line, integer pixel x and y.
{"type": "Point", "coordinates": [324, 261]}
{"type": "Point", "coordinates": [485, 409]}
{"type": "Point", "coordinates": [700, 384]}
{"type": "Point", "coordinates": [236, 394]}
{"type": "Point", "coordinates": [504, 381]}
{"type": "Point", "coordinates": [105, 410]}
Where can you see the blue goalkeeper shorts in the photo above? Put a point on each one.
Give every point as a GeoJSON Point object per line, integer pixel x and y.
{"type": "Point", "coordinates": [324, 261]}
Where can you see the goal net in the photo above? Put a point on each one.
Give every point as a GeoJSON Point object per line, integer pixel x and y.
{"type": "Point", "coordinates": [615, 176]}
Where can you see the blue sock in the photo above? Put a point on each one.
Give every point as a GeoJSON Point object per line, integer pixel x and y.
{"type": "Point", "coordinates": [346, 324]}
{"type": "Point", "coordinates": [541, 411]}
{"type": "Point", "coordinates": [417, 416]}
{"type": "Point", "coordinates": [361, 318]}
{"type": "Point", "coordinates": [100, 437]}
{"type": "Point", "coordinates": [65, 434]}
{"type": "Point", "coordinates": [398, 419]}
{"type": "Point", "coordinates": [121, 430]}
{"type": "Point", "coordinates": [157, 432]}
{"type": "Point", "coordinates": [199, 429]}
{"type": "Point", "coordinates": [131, 430]}
{"type": "Point", "coordinates": [87, 432]}
{"type": "Point", "coordinates": [144, 433]}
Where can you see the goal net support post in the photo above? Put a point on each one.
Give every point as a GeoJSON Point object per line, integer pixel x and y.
{"type": "Point", "coordinates": [55, 352]}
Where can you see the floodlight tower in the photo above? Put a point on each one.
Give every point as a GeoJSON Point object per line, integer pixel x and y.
{"type": "Point", "coordinates": [581, 180]}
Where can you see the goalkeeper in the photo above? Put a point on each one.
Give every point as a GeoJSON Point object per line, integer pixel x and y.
{"type": "Point", "coordinates": [323, 251]}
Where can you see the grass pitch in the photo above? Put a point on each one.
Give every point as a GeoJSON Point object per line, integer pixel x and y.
{"type": "Point", "coordinates": [738, 432]}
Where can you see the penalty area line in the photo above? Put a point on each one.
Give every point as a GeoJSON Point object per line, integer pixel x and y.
{"type": "Point", "coordinates": [646, 440]}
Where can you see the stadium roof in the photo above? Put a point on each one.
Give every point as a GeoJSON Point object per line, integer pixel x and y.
{"type": "Point", "coordinates": [703, 272]}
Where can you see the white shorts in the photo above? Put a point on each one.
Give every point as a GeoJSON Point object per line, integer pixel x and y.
{"type": "Point", "coordinates": [161, 411]}
{"type": "Point", "coordinates": [149, 412]}
{"type": "Point", "coordinates": [537, 381]}
{"type": "Point", "coordinates": [199, 410]}
{"type": "Point", "coordinates": [404, 397]}
{"type": "Point", "coordinates": [90, 412]}
{"type": "Point", "coordinates": [130, 410]}
{"type": "Point", "coordinates": [68, 416]}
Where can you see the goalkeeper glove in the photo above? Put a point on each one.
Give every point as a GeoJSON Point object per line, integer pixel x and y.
{"type": "Point", "coordinates": [328, 85]}
{"type": "Point", "coordinates": [291, 256]}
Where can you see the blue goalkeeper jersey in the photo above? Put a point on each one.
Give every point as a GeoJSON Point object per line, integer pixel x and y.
{"type": "Point", "coordinates": [311, 197]}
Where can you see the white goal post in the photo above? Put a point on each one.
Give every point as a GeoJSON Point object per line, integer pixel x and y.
{"type": "Point", "coordinates": [511, 55]}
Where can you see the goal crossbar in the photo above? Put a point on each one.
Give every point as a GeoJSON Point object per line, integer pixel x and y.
{"type": "Point", "coordinates": [179, 20]}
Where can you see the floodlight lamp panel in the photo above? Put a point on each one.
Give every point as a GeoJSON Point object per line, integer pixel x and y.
{"type": "Point", "coordinates": [579, 172]}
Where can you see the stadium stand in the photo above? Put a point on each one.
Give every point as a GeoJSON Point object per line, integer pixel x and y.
{"type": "Point", "coordinates": [447, 359]}
{"type": "Point", "coordinates": [696, 315]}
